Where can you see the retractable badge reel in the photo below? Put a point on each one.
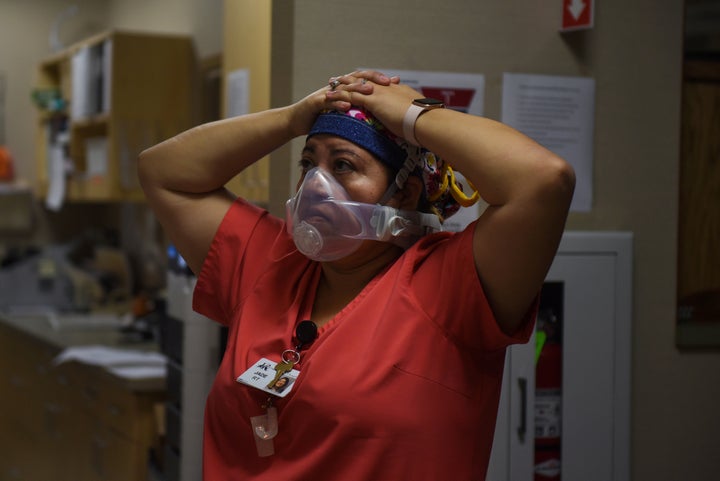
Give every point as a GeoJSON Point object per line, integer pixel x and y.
{"type": "Point", "coordinates": [265, 426]}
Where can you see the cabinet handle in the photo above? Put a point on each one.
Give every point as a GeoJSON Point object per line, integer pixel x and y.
{"type": "Point", "coordinates": [522, 429]}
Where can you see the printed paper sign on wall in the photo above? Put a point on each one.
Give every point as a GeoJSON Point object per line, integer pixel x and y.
{"type": "Point", "coordinates": [558, 113]}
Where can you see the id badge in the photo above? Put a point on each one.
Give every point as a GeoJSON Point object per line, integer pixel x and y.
{"type": "Point", "coordinates": [270, 377]}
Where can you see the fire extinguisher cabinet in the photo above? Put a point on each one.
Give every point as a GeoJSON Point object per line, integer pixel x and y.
{"type": "Point", "coordinates": [565, 406]}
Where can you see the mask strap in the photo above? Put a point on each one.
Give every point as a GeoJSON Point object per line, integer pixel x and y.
{"type": "Point", "coordinates": [388, 194]}
{"type": "Point", "coordinates": [407, 227]}
{"type": "Point", "coordinates": [401, 177]}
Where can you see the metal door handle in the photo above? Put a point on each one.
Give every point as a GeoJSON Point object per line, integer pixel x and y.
{"type": "Point", "coordinates": [522, 428]}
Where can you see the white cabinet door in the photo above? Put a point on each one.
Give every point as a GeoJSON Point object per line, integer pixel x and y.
{"type": "Point", "coordinates": [593, 271]}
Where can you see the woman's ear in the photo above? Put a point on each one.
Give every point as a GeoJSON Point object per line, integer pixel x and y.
{"type": "Point", "coordinates": [408, 197]}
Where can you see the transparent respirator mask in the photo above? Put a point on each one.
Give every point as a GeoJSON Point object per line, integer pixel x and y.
{"type": "Point", "coordinates": [327, 225]}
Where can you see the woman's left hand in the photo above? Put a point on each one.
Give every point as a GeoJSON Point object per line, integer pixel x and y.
{"type": "Point", "coordinates": [386, 101]}
{"type": "Point", "coordinates": [359, 81]}
{"type": "Point", "coordinates": [336, 95]}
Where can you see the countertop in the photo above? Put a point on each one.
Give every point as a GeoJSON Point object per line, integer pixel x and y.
{"type": "Point", "coordinates": [61, 332]}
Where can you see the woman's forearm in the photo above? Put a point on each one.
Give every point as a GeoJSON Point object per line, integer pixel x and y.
{"type": "Point", "coordinates": [503, 164]}
{"type": "Point", "coordinates": [184, 177]}
{"type": "Point", "coordinates": [204, 158]}
{"type": "Point", "coordinates": [528, 189]}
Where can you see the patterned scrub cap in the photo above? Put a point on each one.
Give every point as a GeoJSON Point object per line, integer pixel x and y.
{"type": "Point", "coordinates": [360, 127]}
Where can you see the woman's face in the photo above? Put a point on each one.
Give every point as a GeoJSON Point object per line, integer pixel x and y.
{"type": "Point", "coordinates": [360, 173]}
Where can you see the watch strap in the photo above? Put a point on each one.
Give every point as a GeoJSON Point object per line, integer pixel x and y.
{"type": "Point", "coordinates": [411, 116]}
{"type": "Point", "coordinates": [416, 109]}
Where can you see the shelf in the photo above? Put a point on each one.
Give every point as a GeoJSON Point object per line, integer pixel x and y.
{"type": "Point", "coordinates": [91, 123]}
{"type": "Point", "coordinates": [120, 93]}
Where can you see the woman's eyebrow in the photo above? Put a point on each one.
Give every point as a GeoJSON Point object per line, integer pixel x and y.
{"type": "Point", "coordinates": [346, 151]}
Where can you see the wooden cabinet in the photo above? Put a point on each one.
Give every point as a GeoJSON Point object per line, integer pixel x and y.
{"type": "Point", "coordinates": [104, 100]}
{"type": "Point", "coordinates": [73, 421]}
{"type": "Point", "coordinates": [698, 279]}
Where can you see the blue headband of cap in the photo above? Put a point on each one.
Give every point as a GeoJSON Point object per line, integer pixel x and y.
{"type": "Point", "coordinates": [362, 134]}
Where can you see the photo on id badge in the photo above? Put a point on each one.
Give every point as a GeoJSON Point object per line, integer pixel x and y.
{"type": "Point", "coordinates": [263, 375]}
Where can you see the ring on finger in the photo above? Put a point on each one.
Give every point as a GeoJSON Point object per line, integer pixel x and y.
{"type": "Point", "coordinates": [334, 83]}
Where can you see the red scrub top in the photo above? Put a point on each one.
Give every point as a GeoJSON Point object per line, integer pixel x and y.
{"type": "Point", "coordinates": [403, 383]}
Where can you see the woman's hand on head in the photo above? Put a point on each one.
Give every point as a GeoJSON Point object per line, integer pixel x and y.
{"type": "Point", "coordinates": [336, 95]}
{"type": "Point", "coordinates": [388, 103]}
{"type": "Point", "coordinates": [360, 82]}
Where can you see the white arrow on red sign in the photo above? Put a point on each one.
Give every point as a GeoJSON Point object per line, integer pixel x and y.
{"type": "Point", "coordinates": [576, 8]}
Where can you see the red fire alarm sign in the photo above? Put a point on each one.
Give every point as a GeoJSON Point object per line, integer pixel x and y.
{"type": "Point", "coordinates": [577, 15]}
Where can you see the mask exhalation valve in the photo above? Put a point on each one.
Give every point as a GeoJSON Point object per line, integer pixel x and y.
{"type": "Point", "coordinates": [307, 239]}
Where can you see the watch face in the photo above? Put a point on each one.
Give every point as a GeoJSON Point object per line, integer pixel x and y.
{"type": "Point", "coordinates": [428, 102]}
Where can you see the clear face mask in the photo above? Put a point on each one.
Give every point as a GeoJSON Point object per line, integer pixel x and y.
{"type": "Point", "coordinates": [327, 225]}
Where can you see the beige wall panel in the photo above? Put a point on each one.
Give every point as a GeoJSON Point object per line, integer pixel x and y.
{"type": "Point", "coordinates": [247, 44]}
{"type": "Point", "coordinates": [200, 18]}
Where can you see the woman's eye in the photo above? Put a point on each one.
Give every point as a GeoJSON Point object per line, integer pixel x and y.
{"type": "Point", "coordinates": [305, 164]}
{"type": "Point", "coordinates": [343, 166]}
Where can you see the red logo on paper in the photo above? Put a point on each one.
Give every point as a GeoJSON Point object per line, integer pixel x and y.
{"type": "Point", "coordinates": [577, 14]}
{"type": "Point", "coordinates": [454, 98]}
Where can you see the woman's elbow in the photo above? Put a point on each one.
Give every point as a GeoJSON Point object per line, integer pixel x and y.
{"type": "Point", "coordinates": [144, 168]}
{"type": "Point", "coordinates": [149, 166]}
{"type": "Point", "coordinates": [560, 178]}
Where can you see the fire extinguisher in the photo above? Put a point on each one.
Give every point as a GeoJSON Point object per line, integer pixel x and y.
{"type": "Point", "coordinates": [6, 165]}
{"type": "Point", "coordinates": [548, 397]}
